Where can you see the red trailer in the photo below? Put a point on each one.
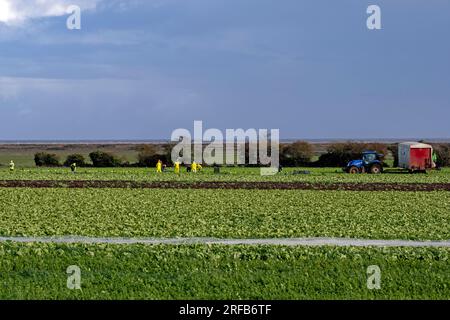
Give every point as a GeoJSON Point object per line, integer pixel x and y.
{"type": "Point", "coordinates": [415, 156]}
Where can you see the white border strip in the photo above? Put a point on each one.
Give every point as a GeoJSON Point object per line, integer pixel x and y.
{"type": "Point", "coordinates": [341, 242]}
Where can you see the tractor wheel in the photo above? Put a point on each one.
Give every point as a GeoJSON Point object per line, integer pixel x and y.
{"type": "Point", "coordinates": [375, 169]}
{"type": "Point", "coordinates": [353, 170]}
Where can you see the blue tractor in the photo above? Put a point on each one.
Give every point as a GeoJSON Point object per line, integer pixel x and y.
{"type": "Point", "coordinates": [371, 162]}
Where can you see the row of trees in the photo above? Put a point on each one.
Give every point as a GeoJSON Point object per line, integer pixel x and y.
{"type": "Point", "coordinates": [339, 154]}
{"type": "Point", "coordinates": [443, 154]}
{"type": "Point", "coordinates": [98, 159]}
{"type": "Point", "coordinates": [295, 154]}
{"type": "Point", "coordinates": [148, 156]}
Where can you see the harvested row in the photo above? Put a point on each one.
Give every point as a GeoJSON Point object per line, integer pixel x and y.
{"type": "Point", "coordinates": [224, 185]}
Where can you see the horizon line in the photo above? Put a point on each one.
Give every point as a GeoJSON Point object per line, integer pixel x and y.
{"type": "Point", "coordinates": [139, 141]}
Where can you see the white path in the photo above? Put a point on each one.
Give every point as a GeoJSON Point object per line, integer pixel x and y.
{"type": "Point", "coordinates": [274, 241]}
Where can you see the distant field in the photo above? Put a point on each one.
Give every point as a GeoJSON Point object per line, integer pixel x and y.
{"type": "Point", "coordinates": [38, 271]}
{"type": "Point", "coordinates": [323, 175]}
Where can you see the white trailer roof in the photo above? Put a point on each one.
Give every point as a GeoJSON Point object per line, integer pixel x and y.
{"type": "Point", "coordinates": [413, 145]}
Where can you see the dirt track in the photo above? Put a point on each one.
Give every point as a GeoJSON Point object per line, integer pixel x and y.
{"type": "Point", "coordinates": [224, 185]}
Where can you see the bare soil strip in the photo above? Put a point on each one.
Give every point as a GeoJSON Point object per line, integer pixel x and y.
{"type": "Point", "coordinates": [341, 242]}
{"type": "Point", "coordinates": [224, 185]}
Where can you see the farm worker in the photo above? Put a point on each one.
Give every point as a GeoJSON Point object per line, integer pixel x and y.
{"type": "Point", "coordinates": [435, 159]}
{"type": "Point", "coordinates": [11, 165]}
{"type": "Point", "coordinates": [177, 167]}
{"type": "Point", "coordinates": [73, 167]}
{"type": "Point", "coordinates": [194, 167]}
{"type": "Point", "coordinates": [159, 166]}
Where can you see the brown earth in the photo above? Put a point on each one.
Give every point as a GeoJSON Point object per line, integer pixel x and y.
{"type": "Point", "coordinates": [225, 185]}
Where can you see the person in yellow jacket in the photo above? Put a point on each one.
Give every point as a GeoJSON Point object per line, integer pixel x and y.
{"type": "Point", "coordinates": [11, 166]}
{"type": "Point", "coordinates": [199, 167]}
{"type": "Point", "coordinates": [194, 167]}
{"type": "Point", "coordinates": [159, 166]}
{"type": "Point", "coordinates": [177, 167]}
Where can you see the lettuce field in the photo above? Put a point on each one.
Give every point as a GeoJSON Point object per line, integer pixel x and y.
{"type": "Point", "coordinates": [224, 213]}
{"type": "Point", "coordinates": [35, 270]}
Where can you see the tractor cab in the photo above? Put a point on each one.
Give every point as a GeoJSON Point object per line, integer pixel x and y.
{"type": "Point", "coordinates": [370, 161]}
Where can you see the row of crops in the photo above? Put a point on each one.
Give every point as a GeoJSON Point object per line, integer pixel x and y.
{"type": "Point", "coordinates": [38, 271]}
{"type": "Point", "coordinates": [224, 213]}
{"type": "Point", "coordinates": [322, 175]}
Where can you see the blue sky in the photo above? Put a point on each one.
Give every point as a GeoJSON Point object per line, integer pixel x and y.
{"type": "Point", "coordinates": [138, 69]}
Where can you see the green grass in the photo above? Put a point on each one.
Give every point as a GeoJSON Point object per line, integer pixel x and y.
{"type": "Point", "coordinates": [225, 213]}
{"type": "Point", "coordinates": [38, 271]}
{"type": "Point", "coordinates": [323, 175]}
